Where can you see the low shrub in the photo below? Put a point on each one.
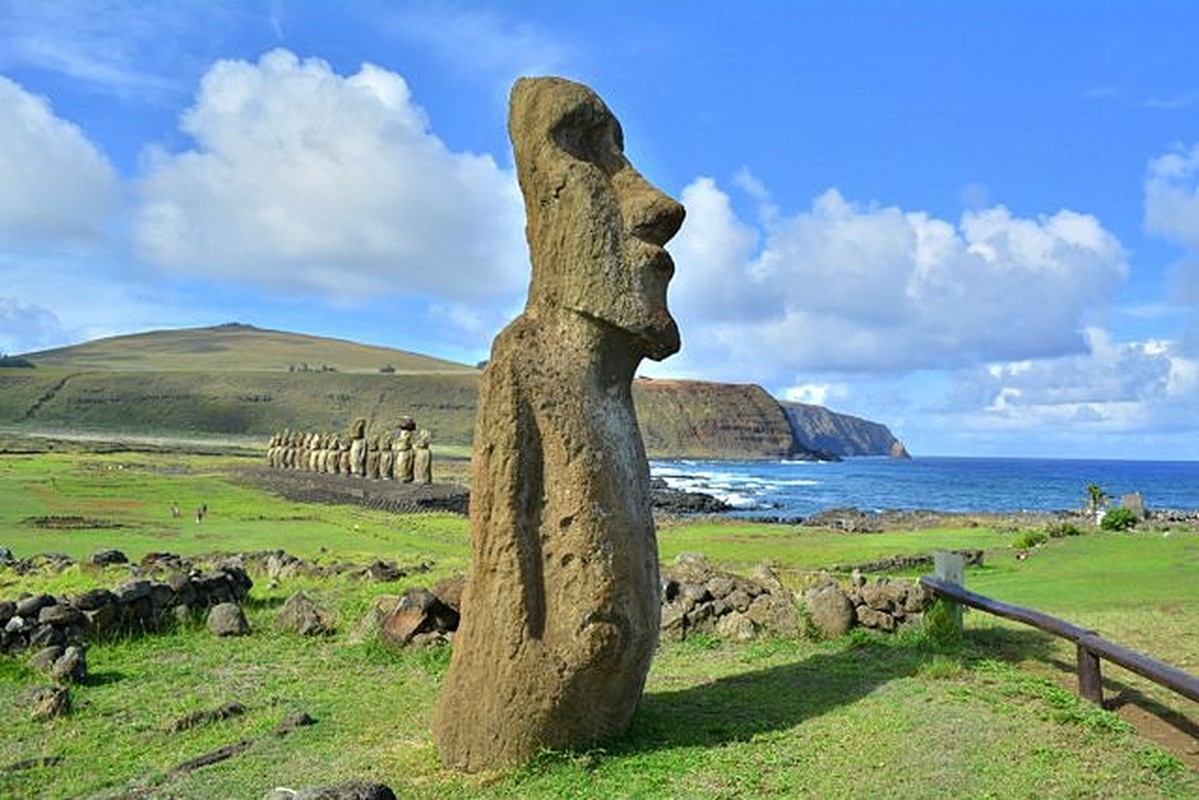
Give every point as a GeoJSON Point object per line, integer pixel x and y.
{"type": "Point", "coordinates": [1030, 539]}
{"type": "Point", "coordinates": [1119, 519]}
{"type": "Point", "coordinates": [942, 624]}
{"type": "Point", "coordinates": [1060, 530]}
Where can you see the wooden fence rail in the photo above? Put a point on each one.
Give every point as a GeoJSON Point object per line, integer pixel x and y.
{"type": "Point", "coordinates": [1091, 646]}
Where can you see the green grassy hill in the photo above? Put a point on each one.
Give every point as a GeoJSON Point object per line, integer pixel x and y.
{"type": "Point", "coordinates": [237, 348]}
{"type": "Point", "coordinates": [240, 381]}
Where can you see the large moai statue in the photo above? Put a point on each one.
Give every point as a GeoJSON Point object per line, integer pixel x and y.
{"type": "Point", "coordinates": [373, 456]}
{"type": "Point", "coordinates": [561, 609]}
{"type": "Point", "coordinates": [333, 458]}
{"type": "Point", "coordinates": [386, 456]}
{"type": "Point", "coordinates": [316, 452]}
{"type": "Point", "coordinates": [358, 448]}
{"type": "Point", "coordinates": [402, 450]}
{"type": "Point", "coordinates": [422, 459]}
{"type": "Point", "coordinates": [273, 448]}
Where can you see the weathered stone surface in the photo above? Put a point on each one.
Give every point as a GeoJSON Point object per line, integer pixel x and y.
{"type": "Point", "coordinates": [301, 615]}
{"type": "Point", "coordinates": [775, 613]}
{"type": "Point", "coordinates": [48, 702]}
{"type": "Point", "coordinates": [28, 607]}
{"type": "Point", "coordinates": [829, 609]}
{"type": "Point", "coordinates": [227, 619]}
{"type": "Point", "coordinates": [351, 790]}
{"type": "Point", "coordinates": [299, 719]}
{"type": "Point", "coordinates": [59, 614]}
{"type": "Point", "coordinates": [44, 659]}
{"type": "Point", "coordinates": [71, 666]}
{"type": "Point", "coordinates": [735, 626]}
{"type": "Point", "coordinates": [106, 558]}
{"type": "Point", "coordinates": [561, 610]}
{"type": "Point", "coordinates": [418, 611]}
{"type": "Point", "coordinates": [93, 599]}
{"type": "Point", "coordinates": [873, 618]}
{"type": "Point", "coordinates": [879, 595]}
{"type": "Point", "coordinates": [368, 627]}
{"type": "Point", "coordinates": [449, 591]}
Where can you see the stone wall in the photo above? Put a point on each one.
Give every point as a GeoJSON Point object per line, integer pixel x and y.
{"type": "Point", "coordinates": [34, 622]}
{"type": "Point", "coordinates": [883, 604]}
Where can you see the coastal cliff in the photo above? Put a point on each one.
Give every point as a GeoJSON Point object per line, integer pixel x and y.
{"type": "Point", "coordinates": [817, 428]}
{"type": "Point", "coordinates": [244, 381]}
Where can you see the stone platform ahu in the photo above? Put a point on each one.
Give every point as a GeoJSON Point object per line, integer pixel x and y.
{"type": "Point", "coordinates": [561, 610]}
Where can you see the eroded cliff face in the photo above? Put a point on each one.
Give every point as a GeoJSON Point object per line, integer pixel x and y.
{"type": "Point", "coordinates": [699, 419]}
{"type": "Point", "coordinates": [817, 428]}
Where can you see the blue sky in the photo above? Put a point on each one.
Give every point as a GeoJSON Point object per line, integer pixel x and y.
{"type": "Point", "coordinates": [975, 222]}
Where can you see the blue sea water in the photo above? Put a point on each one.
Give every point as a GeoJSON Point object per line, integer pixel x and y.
{"type": "Point", "coordinates": [801, 488]}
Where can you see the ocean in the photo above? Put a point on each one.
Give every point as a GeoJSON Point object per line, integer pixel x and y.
{"type": "Point", "coordinates": [802, 488]}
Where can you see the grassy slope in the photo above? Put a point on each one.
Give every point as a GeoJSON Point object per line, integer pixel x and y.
{"type": "Point", "coordinates": [235, 381]}
{"type": "Point", "coordinates": [243, 403]}
{"type": "Point", "coordinates": [240, 348]}
{"type": "Point", "coordinates": [860, 716]}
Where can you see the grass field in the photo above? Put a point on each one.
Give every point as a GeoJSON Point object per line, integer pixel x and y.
{"type": "Point", "coordinates": [861, 716]}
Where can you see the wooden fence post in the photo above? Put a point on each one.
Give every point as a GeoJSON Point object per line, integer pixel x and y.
{"type": "Point", "coordinates": [1090, 679]}
{"type": "Point", "coordinates": [951, 568]}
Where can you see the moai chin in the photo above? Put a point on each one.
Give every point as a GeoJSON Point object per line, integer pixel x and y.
{"type": "Point", "coordinates": [561, 610]}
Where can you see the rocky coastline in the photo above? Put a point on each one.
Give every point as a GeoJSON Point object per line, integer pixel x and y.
{"type": "Point", "coordinates": [671, 503]}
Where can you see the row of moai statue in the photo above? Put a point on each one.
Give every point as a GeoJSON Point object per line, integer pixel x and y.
{"type": "Point", "coordinates": [402, 456]}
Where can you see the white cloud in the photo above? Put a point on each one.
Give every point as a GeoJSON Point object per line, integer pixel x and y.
{"type": "Point", "coordinates": [1172, 196]}
{"type": "Point", "coordinates": [819, 394]}
{"type": "Point", "coordinates": [24, 328]}
{"type": "Point", "coordinates": [131, 49]}
{"type": "Point", "coordinates": [1147, 386]}
{"type": "Point", "coordinates": [474, 41]}
{"type": "Point", "coordinates": [846, 288]}
{"type": "Point", "coordinates": [56, 185]}
{"type": "Point", "coordinates": [303, 180]}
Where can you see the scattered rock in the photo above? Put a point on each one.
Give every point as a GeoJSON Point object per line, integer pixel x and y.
{"type": "Point", "coordinates": [227, 619]}
{"type": "Point", "coordinates": [368, 627]}
{"type": "Point", "coordinates": [106, 558]}
{"type": "Point", "coordinates": [71, 666]}
{"type": "Point", "coordinates": [449, 591]}
{"type": "Point", "coordinates": [300, 719]}
{"type": "Point", "coordinates": [213, 757]}
{"type": "Point", "coordinates": [44, 659]}
{"type": "Point", "coordinates": [38, 762]}
{"type": "Point", "coordinates": [418, 611]}
{"type": "Point", "coordinates": [206, 716]}
{"type": "Point", "coordinates": [351, 790]}
{"type": "Point", "coordinates": [301, 615]}
{"type": "Point", "coordinates": [48, 702]}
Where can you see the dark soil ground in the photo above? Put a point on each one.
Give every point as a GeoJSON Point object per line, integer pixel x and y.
{"type": "Point", "coordinates": [396, 496]}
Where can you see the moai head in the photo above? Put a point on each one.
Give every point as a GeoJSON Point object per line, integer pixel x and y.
{"type": "Point", "coordinates": [403, 440]}
{"type": "Point", "coordinates": [358, 429]}
{"type": "Point", "coordinates": [596, 228]}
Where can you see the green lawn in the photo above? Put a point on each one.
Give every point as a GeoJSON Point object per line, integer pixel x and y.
{"type": "Point", "coordinates": [862, 716]}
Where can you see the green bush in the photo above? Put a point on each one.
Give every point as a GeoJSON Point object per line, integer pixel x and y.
{"type": "Point", "coordinates": [1059, 530]}
{"type": "Point", "coordinates": [942, 624]}
{"type": "Point", "coordinates": [1029, 539]}
{"type": "Point", "coordinates": [1119, 519]}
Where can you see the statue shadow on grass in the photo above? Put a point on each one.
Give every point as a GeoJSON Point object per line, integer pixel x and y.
{"type": "Point", "coordinates": [738, 707]}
